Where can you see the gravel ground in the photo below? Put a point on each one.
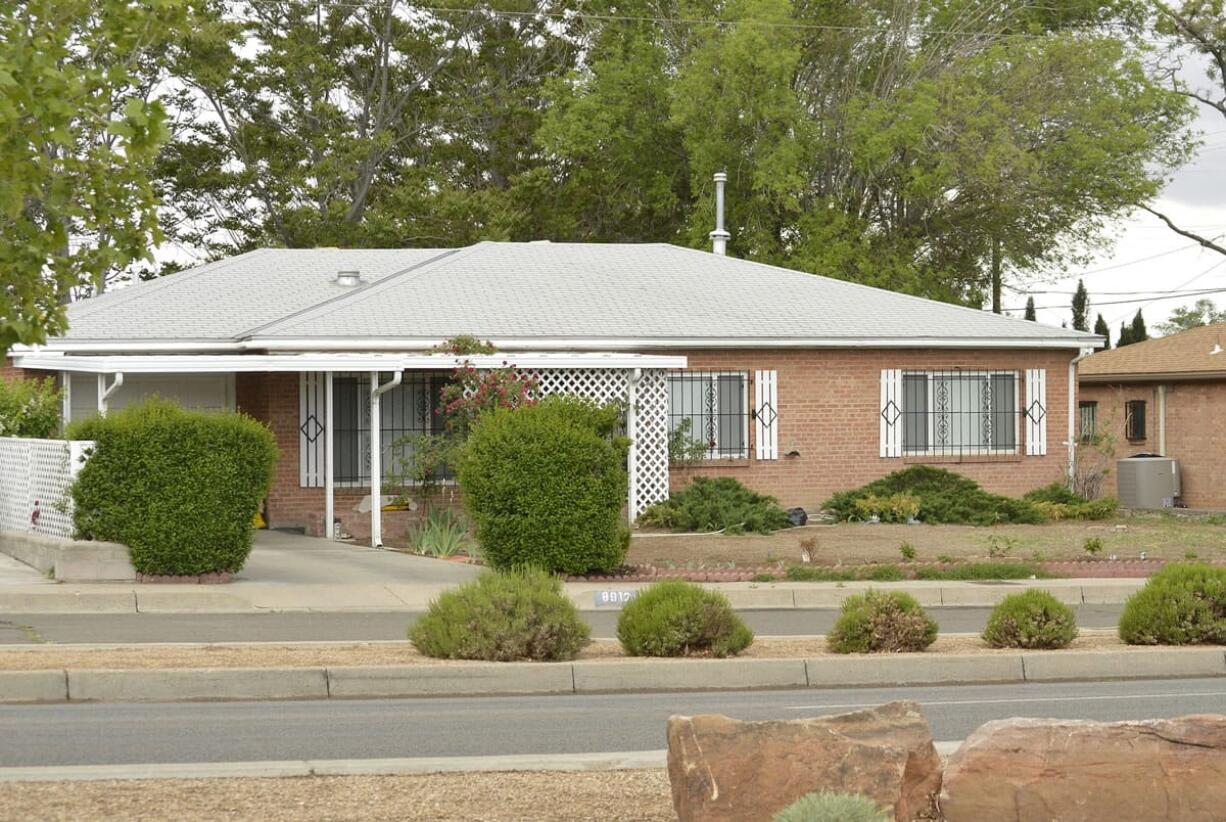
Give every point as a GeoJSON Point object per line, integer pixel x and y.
{"type": "Point", "coordinates": [272, 655]}
{"type": "Point", "coordinates": [632, 796]}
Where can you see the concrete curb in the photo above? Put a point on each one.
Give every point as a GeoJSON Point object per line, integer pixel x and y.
{"type": "Point", "coordinates": [493, 678]}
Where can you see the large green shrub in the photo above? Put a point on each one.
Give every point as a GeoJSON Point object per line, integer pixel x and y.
{"type": "Point", "coordinates": [179, 488]}
{"type": "Point", "coordinates": [944, 498]}
{"type": "Point", "coordinates": [545, 485]}
{"type": "Point", "coordinates": [717, 504]}
{"type": "Point", "coordinates": [824, 806]}
{"type": "Point", "coordinates": [878, 621]}
{"type": "Point", "coordinates": [675, 618]}
{"type": "Point", "coordinates": [1182, 604]}
{"type": "Point", "coordinates": [503, 617]}
{"type": "Point", "coordinates": [29, 408]}
{"type": "Point", "coordinates": [1031, 619]}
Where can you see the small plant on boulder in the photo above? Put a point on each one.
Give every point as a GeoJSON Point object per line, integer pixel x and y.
{"type": "Point", "coordinates": [676, 618]}
{"type": "Point", "coordinates": [1182, 604]}
{"type": "Point", "coordinates": [881, 621]}
{"type": "Point", "coordinates": [825, 806]}
{"type": "Point", "coordinates": [717, 504]}
{"type": "Point", "coordinates": [1032, 619]}
{"type": "Point", "coordinates": [503, 617]}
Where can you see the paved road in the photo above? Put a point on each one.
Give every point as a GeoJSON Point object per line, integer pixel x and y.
{"type": "Point", "coordinates": [293, 627]}
{"type": "Point", "coordinates": [80, 734]}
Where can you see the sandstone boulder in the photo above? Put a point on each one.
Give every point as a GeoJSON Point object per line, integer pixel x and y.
{"type": "Point", "coordinates": [725, 769]}
{"type": "Point", "coordinates": [1027, 770]}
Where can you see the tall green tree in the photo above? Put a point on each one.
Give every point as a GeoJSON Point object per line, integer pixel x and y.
{"type": "Point", "coordinates": [1102, 330]}
{"type": "Point", "coordinates": [1081, 307]}
{"type": "Point", "coordinates": [80, 133]}
{"type": "Point", "coordinates": [1202, 312]}
{"type": "Point", "coordinates": [1030, 312]}
{"type": "Point", "coordinates": [1133, 332]}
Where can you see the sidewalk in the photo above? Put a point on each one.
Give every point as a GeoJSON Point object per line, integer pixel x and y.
{"type": "Point", "coordinates": [243, 596]}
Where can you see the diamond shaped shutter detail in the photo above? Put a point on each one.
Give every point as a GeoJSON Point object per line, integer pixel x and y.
{"type": "Point", "coordinates": [311, 430]}
{"type": "Point", "coordinates": [766, 414]}
{"type": "Point", "coordinates": [1034, 414]}
{"type": "Point", "coordinates": [891, 412]}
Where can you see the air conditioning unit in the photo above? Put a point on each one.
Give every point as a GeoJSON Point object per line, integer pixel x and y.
{"type": "Point", "coordinates": [1148, 481]}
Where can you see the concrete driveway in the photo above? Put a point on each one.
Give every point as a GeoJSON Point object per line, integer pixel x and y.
{"type": "Point", "coordinates": [292, 559]}
{"type": "Point", "coordinates": [13, 572]}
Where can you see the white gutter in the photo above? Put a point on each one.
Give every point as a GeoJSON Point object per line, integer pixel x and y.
{"type": "Point", "coordinates": [376, 455]}
{"type": "Point", "coordinates": [1072, 412]}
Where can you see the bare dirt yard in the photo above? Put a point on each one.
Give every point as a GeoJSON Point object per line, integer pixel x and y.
{"type": "Point", "coordinates": [632, 796]}
{"type": "Point", "coordinates": [1159, 536]}
{"type": "Point", "coordinates": [402, 653]}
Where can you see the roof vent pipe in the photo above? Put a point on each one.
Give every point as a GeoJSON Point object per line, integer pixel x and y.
{"type": "Point", "coordinates": [719, 237]}
{"type": "Point", "coordinates": [348, 279]}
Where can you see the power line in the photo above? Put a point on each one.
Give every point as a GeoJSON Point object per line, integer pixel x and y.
{"type": "Point", "coordinates": [1184, 284]}
{"type": "Point", "coordinates": [1191, 292]}
{"type": "Point", "coordinates": [1095, 304]}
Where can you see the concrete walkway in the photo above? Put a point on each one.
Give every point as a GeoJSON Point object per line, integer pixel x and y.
{"type": "Point", "coordinates": [13, 572]}
{"type": "Point", "coordinates": [291, 559]}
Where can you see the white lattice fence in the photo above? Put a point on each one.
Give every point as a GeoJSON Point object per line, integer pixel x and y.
{"type": "Point", "coordinates": [34, 480]}
{"type": "Point", "coordinates": [607, 385]}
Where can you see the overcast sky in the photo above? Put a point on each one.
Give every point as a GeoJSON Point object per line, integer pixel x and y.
{"type": "Point", "coordinates": [1150, 257]}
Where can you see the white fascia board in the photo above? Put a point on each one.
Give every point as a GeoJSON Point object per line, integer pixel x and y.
{"type": "Point", "coordinates": [232, 363]}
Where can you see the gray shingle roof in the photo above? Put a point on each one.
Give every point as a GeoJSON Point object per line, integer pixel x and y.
{"type": "Point", "coordinates": [523, 291]}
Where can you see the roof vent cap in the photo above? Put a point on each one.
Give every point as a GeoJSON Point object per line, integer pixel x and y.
{"type": "Point", "coordinates": [348, 279]}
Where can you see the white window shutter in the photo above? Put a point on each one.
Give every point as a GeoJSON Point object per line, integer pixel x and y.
{"type": "Point", "coordinates": [891, 412]}
{"type": "Point", "coordinates": [311, 430]}
{"type": "Point", "coordinates": [1035, 412]}
{"type": "Point", "coordinates": [766, 414]}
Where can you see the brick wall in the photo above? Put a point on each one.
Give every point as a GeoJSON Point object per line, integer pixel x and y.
{"type": "Point", "coordinates": [828, 411]}
{"type": "Point", "coordinates": [1195, 432]}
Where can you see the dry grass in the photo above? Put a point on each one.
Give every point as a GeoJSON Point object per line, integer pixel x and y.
{"type": "Point", "coordinates": [279, 656]}
{"type": "Point", "coordinates": [633, 796]}
{"type": "Point", "coordinates": [1161, 537]}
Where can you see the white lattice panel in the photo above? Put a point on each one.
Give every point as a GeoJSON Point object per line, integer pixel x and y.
{"type": "Point", "coordinates": [606, 385]}
{"type": "Point", "coordinates": [34, 477]}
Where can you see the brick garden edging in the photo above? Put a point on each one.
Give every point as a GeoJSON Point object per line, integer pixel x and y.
{"type": "Point", "coordinates": [219, 578]}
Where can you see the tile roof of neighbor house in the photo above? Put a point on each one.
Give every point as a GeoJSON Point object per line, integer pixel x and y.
{"type": "Point", "coordinates": [650, 295]}
{"type": "Point", "coordinates": [1198, 352]}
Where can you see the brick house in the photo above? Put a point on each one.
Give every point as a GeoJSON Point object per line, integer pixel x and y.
{"type": "Point", "coordinates": [1165, 396]}
{"type": "Point", "coordinates": [796, 384]}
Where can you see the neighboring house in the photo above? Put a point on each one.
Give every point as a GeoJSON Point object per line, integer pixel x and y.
{"type": "Point", "coordinates": [1165, 396]}
{"type": "Point", "coordinates": [796, 384]}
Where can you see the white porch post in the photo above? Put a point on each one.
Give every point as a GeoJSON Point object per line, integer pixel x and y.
{"type": "Point", "coordinates": [329, 462]}
{"type": "Point", "coordinates": [376, 455]}
{"type": "Point", "coordinates": [632, 458]}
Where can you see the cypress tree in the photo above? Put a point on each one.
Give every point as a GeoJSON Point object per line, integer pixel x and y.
{"type": "Point", "coordinates": [1030, 309]}
{"type": "Point", "coordinates": [1101, 329]}
{"type": "Point", "coordinates": [1139, 332]}
{"type": "Point", "coordinates": [1081, 307]}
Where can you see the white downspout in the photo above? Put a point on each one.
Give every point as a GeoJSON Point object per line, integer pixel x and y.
{"type": "Point", "coordinates": [376, 455]}
{"type": "Point", "coordinates": [329, 462]}
{"type": "Point", "coordinates": [632, 457]}
{"type": "Point", "coordinates": [1072, 412]}
{"type": "Point", "coordinates": [1162, 419]}
{"type": "Point", "coordinates": [65, 400]}
{"type": "Point", "coordinates": [105, 391]}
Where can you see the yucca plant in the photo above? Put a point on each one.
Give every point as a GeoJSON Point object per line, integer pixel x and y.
{"type": "Point", "coordinates": [440, 534]}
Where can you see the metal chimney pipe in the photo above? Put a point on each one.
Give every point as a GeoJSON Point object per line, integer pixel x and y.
{"type": "Point", "coordinates": [719, 237]}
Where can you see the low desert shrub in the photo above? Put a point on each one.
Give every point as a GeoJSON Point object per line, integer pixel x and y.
{"type": "Point", "coordinates": [1182, 604]}
{"type": "Point", "coordinates": [676, 618]}
{"type": "Point", "coordinates": [1032, 619]}
{"type": "Point", "coordinates": [179, 488]}
{"type": "Point", "coordinates": [1092, 546]}
{"type": "Point", "coordinates": [1057, 502]}
{"type": "Point", "coordinates": [944, 497]}
{"type": "Point", "coordinates": [717, 504]}
{"type": "Point", "coordinates": [503, 617]}
{"type": "Point", "coordinates": [29, 408]}
{"type": "Point", "coordinates": [907, 551]}
{"type": "Point", "coordinates": [877, 621]}
{"type": "Point", "coordinates": [824, 806]}
{"type": "Point", "coordinates": [545, 485]}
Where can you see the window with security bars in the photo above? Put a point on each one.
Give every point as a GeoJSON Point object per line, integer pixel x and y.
{"type": "Point", "coordinates": [409, 408]}
{"type": "Point", "coordinates": [1134, 420]}
{"type": "Point", "coordinates": [711, 409]}
{"type": "Point", "coordinates": [960, 412]}
{"type": "Point", "coordinates": [1087, 420]}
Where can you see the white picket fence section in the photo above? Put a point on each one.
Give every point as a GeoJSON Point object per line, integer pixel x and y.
{"type": "Point", "coordinates": [34, 480]}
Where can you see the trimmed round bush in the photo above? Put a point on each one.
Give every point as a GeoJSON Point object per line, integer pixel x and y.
{"type": "Point", "coordinates": [545, 485]}
{"type": "Point", "coordinates": [179, 488]}
{"type": "Point", "coordinates": [881, 621]}
{"type": "Point", "coordinates": [1182, 604]}
{"type": "Point", "coordinates": [824, 806]}
{"type": "Point", "coordinates": [1033, 619]}
{"type": "Point", "coordinates": [675, 618]}
{"type": "Point", "coordinates": [503, 617]}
